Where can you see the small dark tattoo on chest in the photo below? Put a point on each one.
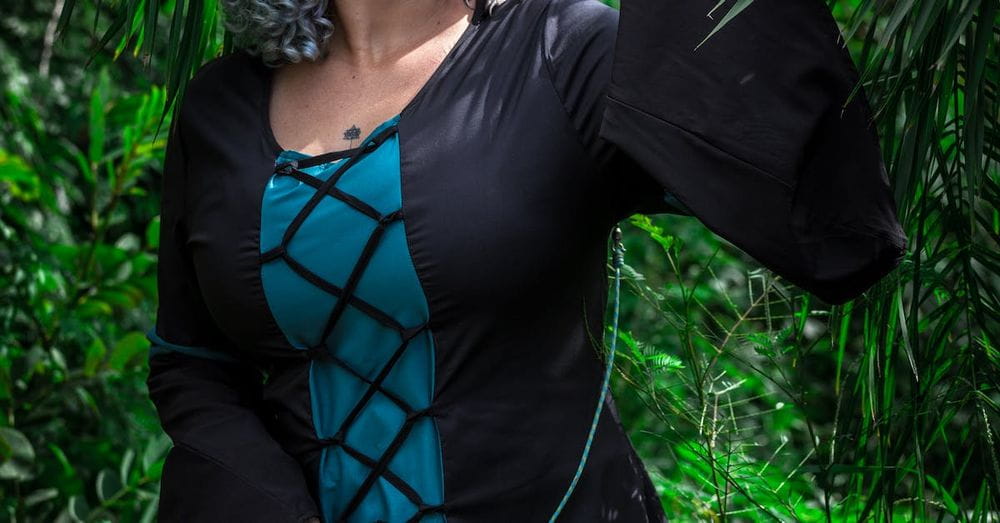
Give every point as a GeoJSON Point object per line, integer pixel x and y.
{"type": "Point", "coordinates": [353, 133]}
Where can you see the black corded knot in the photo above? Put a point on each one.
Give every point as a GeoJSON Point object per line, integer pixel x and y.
{"type": "Point", "coordinates": [336, 439]}
{"type": "Point", "coordinates": [389, 217]}
{"type": "Point", "coordinates": [426, 411]}
{"type": "Point", "coordinates": [287, 167]}
{"type": "Point", "coordinates": [276, 252]}
{"type": "Point", "coordinates": [424, 508]}
{"type": "Point", "coordinates": [410, 332]}
{"type": "Point", "coordinates": [317, 352]}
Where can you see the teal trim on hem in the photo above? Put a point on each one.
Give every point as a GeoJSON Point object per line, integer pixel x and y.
{"type": "Point", "coordinates": [160, 346]}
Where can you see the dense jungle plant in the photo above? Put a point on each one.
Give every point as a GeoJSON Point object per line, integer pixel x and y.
{"type": "Point", "coordinates": [75, 278]}
{"type": "Point", "coordinates": [78, 441]}
{"type": "Point", "coordinates": [885, 408]}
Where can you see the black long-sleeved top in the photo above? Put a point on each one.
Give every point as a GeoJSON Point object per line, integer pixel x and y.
{"type": "Point", "coordinates": [406, 330]}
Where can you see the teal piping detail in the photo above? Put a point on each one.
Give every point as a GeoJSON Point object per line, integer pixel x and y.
{"type": "Point", "coordinates": [619, 255]}
{"type": "Point", "coordinates": [160, 346]}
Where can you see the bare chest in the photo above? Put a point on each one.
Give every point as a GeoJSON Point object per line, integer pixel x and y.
{"type": "Point", "coordinates": [317, 108]}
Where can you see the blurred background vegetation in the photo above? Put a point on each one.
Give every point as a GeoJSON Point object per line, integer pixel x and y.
{"type": "Point", "coordinates": [747, 398]}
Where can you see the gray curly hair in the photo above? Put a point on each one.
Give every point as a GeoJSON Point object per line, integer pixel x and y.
{"type": "Point", "coordinates": [280, 31]}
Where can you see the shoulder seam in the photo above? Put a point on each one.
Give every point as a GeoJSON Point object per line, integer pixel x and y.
{"type": "Point", "coordinates": [550, 77]}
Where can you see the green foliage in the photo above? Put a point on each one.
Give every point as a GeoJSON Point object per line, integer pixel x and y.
{"type": "Point", "coordinates": [882, 409]}
{"type": "Point", "coordinates": [77, 284]}
{"type": "Point", "coordinates": [747, 398]}
{"type": "Point", "coordinates": [193, 32]}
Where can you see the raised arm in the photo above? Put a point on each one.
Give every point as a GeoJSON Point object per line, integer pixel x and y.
{"type": "Point", "coordinates": [224, 465]}
{"type": "Point", "coordinates": [748, 131]}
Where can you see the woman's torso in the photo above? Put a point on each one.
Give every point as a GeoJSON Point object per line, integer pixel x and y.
{"type": "Point", "coordinates": [498, 251]}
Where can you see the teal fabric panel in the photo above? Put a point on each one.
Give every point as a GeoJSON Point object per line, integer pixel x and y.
{"type": "Point", "coordinates": [328, 243]}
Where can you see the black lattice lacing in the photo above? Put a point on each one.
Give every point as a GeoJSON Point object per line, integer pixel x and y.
{"type": "Point", "coordinates": [345, 296]}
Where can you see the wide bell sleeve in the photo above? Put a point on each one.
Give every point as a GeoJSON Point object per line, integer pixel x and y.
{"type": "Point", "coordinates": [224, 464]}
{"type": "Point", "coordinates": [751, 131]}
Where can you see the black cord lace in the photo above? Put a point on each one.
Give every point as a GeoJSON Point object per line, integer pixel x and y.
{"type": "Point", "coordinates": [345, 296]}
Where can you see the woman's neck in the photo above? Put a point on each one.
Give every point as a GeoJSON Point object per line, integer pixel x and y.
{"type": "Point", "coordinates": [369, 33]}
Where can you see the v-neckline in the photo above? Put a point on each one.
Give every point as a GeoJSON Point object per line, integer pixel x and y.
{"type": "Point", "coordinates": [439, 71]}
{"type": "Point", "coordinates": [336, 156]}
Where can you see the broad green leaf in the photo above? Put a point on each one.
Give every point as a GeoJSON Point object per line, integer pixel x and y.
{"type": "Point", "coordinates": [17, 456]}
{"type": "Point", "coordinates": [126, 348]}
{"type": "Point", "coordinates": [107, 484]}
